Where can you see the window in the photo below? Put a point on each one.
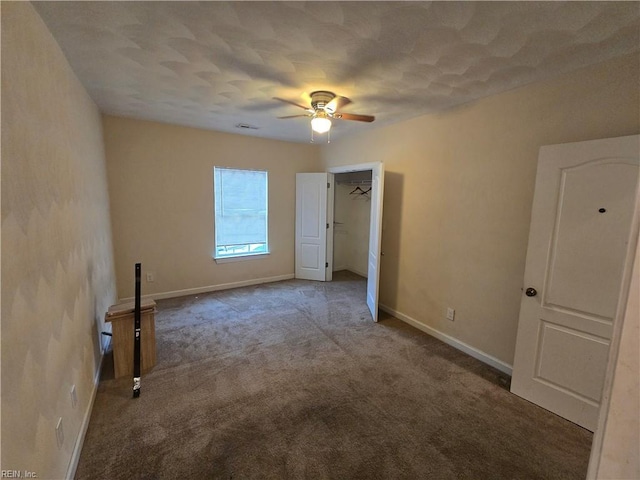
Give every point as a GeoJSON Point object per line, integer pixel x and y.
{"type": "Point", "coordinates": [240, 206]}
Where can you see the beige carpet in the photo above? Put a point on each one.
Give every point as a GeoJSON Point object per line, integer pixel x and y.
{"type": "Point", "coordinates": [292, 380]}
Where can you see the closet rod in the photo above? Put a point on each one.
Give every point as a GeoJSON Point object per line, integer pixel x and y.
{"type": "Point", "coordinates": [354, 182]}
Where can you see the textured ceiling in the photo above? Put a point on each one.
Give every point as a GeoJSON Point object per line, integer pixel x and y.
{"type": "Point", "coordinates": [216, 64]}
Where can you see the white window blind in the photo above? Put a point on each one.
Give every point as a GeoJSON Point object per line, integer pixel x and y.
{"type": "Point", "coordinates": [240, 201]}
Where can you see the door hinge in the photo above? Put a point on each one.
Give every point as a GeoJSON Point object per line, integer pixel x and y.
{"type": "Point", "coordinates": [327, 226]}
{"type": "Point", "coordinates": [328, 185]}
{"type": "Point", "coordinates": [326, 265]}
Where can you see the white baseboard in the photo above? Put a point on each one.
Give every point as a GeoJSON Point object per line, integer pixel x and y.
{"type": "Point", "coordinates": [357, 271]}
{"type": "Point", "coordinates": [449, 340]}
{"type": "Point", "coordinates": [350, 269]}
{"type": "Point", "coordinates": [212, 288]}
{"type": "Point", "coordinates": [77, 448]}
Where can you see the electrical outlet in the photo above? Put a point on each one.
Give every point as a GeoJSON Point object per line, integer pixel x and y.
{"type": "Point", "coordinates": [59, 433]}
{"type": "Point", "coordinates": [150, 278]}
{"type": "Point", "coordinates": [451, 314]}
{"type": "Point", "coordinates": [74, 396]}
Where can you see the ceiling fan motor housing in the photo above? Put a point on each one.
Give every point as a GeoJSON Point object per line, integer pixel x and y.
{"type": "Point", "coordinates": [320, 98]}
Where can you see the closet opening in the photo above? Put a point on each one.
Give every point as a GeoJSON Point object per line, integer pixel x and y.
{"type": "Point", "coordinates": [352, 221]}
{"type": "Point", "coordinates": [352, 197]}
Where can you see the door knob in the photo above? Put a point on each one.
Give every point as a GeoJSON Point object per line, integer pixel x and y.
{"type": "Point", "coordinates": [530, 292]}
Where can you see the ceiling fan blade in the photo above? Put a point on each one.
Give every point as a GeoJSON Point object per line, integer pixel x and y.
{"type": "Point", "coordinates": [295, 116]}
{"type": "Point", "coordinates": [336, 104]}
{"type": "Point", "coordinates": [355, 116]}
{"type": "Point", "coordinates": [290, 102]}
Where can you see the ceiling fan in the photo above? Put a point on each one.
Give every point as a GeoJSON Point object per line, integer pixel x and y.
{"type": "Point", "coordinates": [324, 107]}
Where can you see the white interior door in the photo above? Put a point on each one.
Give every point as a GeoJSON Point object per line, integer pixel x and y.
{"type": "Point", "coordinates": [331, 186]}
{"type": "Point", "coordinates": [579, 248]}
{"type": "Point", "coordinates": [311, 226]}
{"type": "Point", "coordinates": [375, 239]}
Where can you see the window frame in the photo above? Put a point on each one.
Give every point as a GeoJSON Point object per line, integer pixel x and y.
{"type": "Point", "coordinates": [244, 255]}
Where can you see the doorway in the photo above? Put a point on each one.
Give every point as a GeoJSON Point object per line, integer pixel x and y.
{"type": "Point", "coordinates": [314, 242]}
{"type": "Point", "coordinates": [351, 221]}
{"type": "Point", "coordinates": [376, 195]}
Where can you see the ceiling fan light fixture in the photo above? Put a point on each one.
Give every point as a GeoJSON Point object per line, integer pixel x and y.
{"type": "Point", "coordinates": [320, 124]}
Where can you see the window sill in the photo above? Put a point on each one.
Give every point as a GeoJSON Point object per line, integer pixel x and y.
{"type": "Point", "coordinates": [240, 258]}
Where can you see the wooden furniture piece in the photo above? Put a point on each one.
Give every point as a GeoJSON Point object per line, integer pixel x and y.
{"type": "Point", "coordinates": [122, 321]}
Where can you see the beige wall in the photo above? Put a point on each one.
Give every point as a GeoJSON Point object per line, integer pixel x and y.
{"type": "Point", "coordinates": [161, 187]}
{"type": "Point", "coordinates": [57, 263]}
{"type": "Point", "coordinates": [458, 193]}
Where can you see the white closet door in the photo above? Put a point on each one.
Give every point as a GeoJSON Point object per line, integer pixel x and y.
{"type": "Point", "coordinates": [375, 239]}
{"type": "Point", "coordinates": [311, 226]}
